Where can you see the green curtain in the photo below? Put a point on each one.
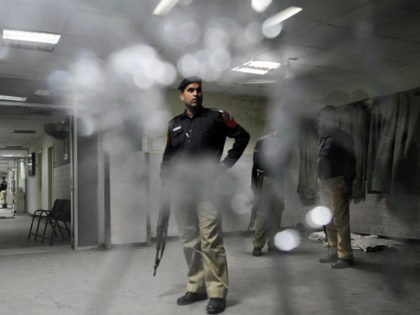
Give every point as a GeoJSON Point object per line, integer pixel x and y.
{"type": "Point", "coordinates": [406, 157]}
{"type": "Point", "coordinates": [381, 144]}
{"type": "Point", "coordinates": [393, 157]}
{"type": "Point", "coordinates": [354, 118]}
{"type": "Point", "coordinates": [387, 147]}
{"type": "Point", "coordinates": [308, 159]}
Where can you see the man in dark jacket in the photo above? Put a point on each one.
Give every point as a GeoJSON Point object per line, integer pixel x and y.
{"type": "Point", "coordinates": [3, 192]}
{"type": "Point", "coordinates": [190, 168]}
{"type": "Point", "coordinates": [336, 172]}
{"type": "Point", "coordinates": [270, 160]}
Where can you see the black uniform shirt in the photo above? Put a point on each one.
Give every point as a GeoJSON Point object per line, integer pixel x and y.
{"type": "Point", "coordinates": [204, 135]}
{"type": "Point", "coordinates": [336, 156]}
{"type": "Point", "coordinates": [271, 157]}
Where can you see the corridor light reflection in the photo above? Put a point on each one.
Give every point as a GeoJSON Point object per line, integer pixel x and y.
{"type": "Point", "coordinates": [241, 204]}
{"type": "Point", "coordinates": [260, 5]}
{"type": "Point", "coordinates": [287, 240]}
{"type": "Point", "coordinates": [318, 216]}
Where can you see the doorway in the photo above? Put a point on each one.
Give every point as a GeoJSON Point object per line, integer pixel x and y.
{"type": "Point", "coordinates": [23, 136]}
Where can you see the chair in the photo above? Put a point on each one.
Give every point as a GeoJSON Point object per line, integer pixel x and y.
{"type": "Point", "coordinates": [57, 218]}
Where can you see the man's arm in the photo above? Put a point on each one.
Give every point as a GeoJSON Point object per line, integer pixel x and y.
{"type": "Point", "coordinates": [167, 155]}
{"type": "Point", "coordinates": [241, 137]}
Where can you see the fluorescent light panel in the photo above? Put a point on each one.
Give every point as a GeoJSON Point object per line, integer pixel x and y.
{"type": "Point", "coordinates": [31, 40]}
{"type": "Point", "coordinates": [257, 67]}
{"type": "Point", "coordinates": [35, 37]}
{"type": "Point", "coordinates": [164, 7]}
{"type": "Point", "coordinates": [41, 92]}
{"type": "Point", "coordinates": [281, 16]}
{"type": "Point", "coordinates": [12, 98]}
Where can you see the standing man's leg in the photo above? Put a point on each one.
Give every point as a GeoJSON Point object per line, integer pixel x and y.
{"type": "Point", "coordinates": [325, 195]}
{"type": "Point", "coordinates": [276, 211]}
{"type": "Point", "coordinates": [335, 194]}
{"type": "Point", "coordinates": [214, 256]}
{"type": "Point", "coordinates": [261, 225]}
{"type": "Point", "coordinates": [3, 197]}
{"type": "Point", "coordinates": [341, 217]}
{"type": "Point", "coordinates": [188, 228]}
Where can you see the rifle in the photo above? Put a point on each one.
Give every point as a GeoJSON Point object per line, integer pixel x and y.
{"type": "Point", "coordinates": [257, 201]}
{"type": "Point", "coordinates": [161, 233]}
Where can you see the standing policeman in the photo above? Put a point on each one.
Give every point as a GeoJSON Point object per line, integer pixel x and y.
{"type": "Point", "coordinates": [190, 166]}
{"type": "Point", "coordinates": [336, 172]}
{"type": "Point", "coordinates": [270, 161]}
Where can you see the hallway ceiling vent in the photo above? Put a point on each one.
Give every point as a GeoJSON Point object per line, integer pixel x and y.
{"type": "Point", "coordinates": [23, 131]}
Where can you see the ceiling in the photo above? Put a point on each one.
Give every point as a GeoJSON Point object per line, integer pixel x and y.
{"type": "Point", "coordinates": [335, 51]}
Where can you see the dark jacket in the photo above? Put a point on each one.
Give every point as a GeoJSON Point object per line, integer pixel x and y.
{"type": "Point", "coordinates": [3, 185]}
{"type": "Point", "coordinates": [336, 156]}
{"type": "Point", "coordinates": [271, 158]}
{"type": "Point", "coordinates": [204, 135]}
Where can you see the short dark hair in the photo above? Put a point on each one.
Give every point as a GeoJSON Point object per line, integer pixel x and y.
{"type": "Point", "coordinates": [183, 84]}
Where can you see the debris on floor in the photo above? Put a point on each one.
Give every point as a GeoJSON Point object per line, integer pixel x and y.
{"type": "Point", "coordinates": [367, 243]}
{"type": "Point", "coordinates": [7, 213]}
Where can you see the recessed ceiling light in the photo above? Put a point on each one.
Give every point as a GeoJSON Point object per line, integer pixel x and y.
{"type": "Point", "coordinates": [12, 98]}
{"type": "Point", "coordinates": [257, 67]}
{"type": "Point", "coordinates": [164, 7]}
{"type": "Point", "coordinates": [34, 40]}
{"type": "Point", "coordinates": [281, 16]}
{"type": "Point", "coordinates": [260, 81]}
{"type": "Point", "coordinates": [41, 92]}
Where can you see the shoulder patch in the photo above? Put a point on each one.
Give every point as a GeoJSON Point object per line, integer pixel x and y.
{"type": "Point", "coordinates": [228, 118]}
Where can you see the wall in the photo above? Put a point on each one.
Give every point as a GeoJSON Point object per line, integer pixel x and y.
{"type": "Point", "coordinates": [385, 215]}
{"type": "Point", "coordinates": [130, 206]}
{"type": "Point", "coordinates": [87, 191]}
{"type": "Point", "coordinates": [391, 215]}
{"type": "Point", "coordinates": [37, 197]}
{"type": "Point", "coordinates": [61, 180]}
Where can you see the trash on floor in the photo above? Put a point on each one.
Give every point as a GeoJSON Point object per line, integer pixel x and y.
{"type": "Point", "coordinates": [367, 243]}
{"type": "Point", "coordinates": [7, 214]}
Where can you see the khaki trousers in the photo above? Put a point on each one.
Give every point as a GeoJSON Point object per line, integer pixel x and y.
{"type": "Point", "coordinates": [335, 194]}
{"type": "Point", "coordinates": [3, 197]}
{"type": "Point", "coordinates": [201, 235]}
{"type": "Point", "coordinates": [268, 220]}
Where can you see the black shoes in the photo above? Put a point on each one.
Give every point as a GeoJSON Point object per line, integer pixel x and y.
{"type": "Point", "coordinates": [329, 259]}
{"type": "Point", "coordinates": [336, 263]}
{"type": "Point", "coordinates": [216, 306]}
{"type": "Point", "coordinates": [191, 297]}
{"type": "Point", "coordinates": [257, 251]}
{"type": "Point", "coordinates": [342, 263]}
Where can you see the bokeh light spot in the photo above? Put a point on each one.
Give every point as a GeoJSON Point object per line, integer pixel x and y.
{"type": "Point", "coordinates": [241, 204]}
{"type": "Point", "coordinates": [271, 31]}
{"type": "Point", "coordinates": [260, 5]}
{"type": "Point", "coordinates": [287, 240]}
{"type": "Point", "coordinates": [318, 216]}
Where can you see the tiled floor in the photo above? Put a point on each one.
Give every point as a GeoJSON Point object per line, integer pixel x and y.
{"type": "Point", "coordinates": [14, 233]}
{"type": "Point", "coordinates": [57, 280]}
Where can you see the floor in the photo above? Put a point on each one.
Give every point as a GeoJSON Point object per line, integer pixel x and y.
{"type": "Point", "coordinates": [42, 279]}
